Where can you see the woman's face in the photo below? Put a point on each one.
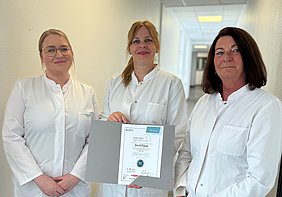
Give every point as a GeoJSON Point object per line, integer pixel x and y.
{"type": "Point", "coordinates": [143, 48]}
{"type": "Point", "coordinates": [56, 54]}
{"type": "Point", "coordinates": [228, 61]}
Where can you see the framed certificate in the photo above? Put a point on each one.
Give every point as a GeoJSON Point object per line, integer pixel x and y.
{"type": "Point", "coordinates": [121, 153]}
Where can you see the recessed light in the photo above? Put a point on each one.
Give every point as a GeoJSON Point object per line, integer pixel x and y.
{"type": "Point", "coordinates": [200, 46]}
{"type": "Point", "coordinates": [203, 19]}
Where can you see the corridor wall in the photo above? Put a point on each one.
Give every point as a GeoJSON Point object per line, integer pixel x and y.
{"type": "Point", "coordinates": [97, 30]}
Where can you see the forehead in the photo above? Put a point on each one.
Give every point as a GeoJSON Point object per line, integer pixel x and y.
{"type": "Point", "coordinates": [142, 31]}
{"type": "Point", "coordinates": [54, 40]}
{"type": "Point", "coordinates": [225, 41]}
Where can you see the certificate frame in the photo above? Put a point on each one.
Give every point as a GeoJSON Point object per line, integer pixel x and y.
{"type": "Point", "coordinates": [104, 152]}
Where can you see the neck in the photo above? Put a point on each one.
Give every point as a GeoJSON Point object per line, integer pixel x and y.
{"type": "Point", "coordinates": [142, 71]}
{"type": "Point", "coordinates": [60, 79]}
{"type": "Point", "coordinates": [228, 89]}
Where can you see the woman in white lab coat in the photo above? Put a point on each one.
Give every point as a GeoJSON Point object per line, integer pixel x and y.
{"type": "Point", "coordinates": [235, 129]}
{"type": "Point", "coordinates": [46, 126]}
{"type": "Point", "coordinates": [145, 94]}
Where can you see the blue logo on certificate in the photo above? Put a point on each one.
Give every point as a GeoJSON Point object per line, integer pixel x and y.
{"type": "Point", "coordinates": [153, 129]}
{"type": "Point", "coordinates": [140, 163]}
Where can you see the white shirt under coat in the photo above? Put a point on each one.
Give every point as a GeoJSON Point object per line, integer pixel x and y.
{"type": "Point", "coordinates": [46, 130]}
{"type": "Point", "coordinates": [158, 99]}
{"type": "Point", "coordinates": [235, 145]}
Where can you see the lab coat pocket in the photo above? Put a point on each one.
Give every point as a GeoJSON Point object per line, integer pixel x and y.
{"type": "Point", "coordinates": [233, 140]}
{"type": "Point", "coordinates": [155, 113]}
{"type": "Point", "coordinates": [84, 124]}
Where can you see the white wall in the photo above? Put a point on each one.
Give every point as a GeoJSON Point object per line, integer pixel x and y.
{"type": "Point", "coordinates": [97, 30]}
{"type": "Point", "coordinates": [263, 20]}
{"type": "Point", "coordinates": [176, 48]}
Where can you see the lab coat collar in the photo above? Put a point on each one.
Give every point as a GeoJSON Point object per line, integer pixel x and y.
{"type": "Point", "coordinates": [150, 75]}
{"type": "Point", "coordinates": [235, 95]}
{"type": "Point", "coordinates": [57, 87]}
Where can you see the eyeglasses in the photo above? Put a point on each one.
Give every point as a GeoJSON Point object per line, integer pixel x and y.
{"type": "Point", "coordinates": [51, 51]}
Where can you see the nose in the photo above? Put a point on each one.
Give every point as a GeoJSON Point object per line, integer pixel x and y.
{"type": "Point", "coordinates": [228, 56]}
{"type": "Point", "coordinates": [58, 53]}
{"type": "Point", "coordinates": [143, 44]}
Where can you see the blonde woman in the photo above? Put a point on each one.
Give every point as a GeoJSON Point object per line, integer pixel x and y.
{"type": "Point", "coordinates": [46, 126]}
{"type": "Point", "coordinates": [145, 94]}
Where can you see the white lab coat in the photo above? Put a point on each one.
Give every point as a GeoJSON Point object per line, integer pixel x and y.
{"type": "Point", "coordinates": [46, 130]}
{"type": "Point", "coordinates": [159, 99]}
{"type": "Point", "coordinates": [235, 145]}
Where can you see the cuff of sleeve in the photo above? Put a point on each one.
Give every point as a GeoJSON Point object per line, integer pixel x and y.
{"type": "Point", "coordinates": [23, 182]}
{"type": "Point", "coordinates": [180, 191]}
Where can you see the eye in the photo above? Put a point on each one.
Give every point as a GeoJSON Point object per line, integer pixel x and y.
{"type": "Point", "coordinates": [235, 50]}
{"type": "Point", "coordinates": [64, 49]}
{"type": "Point", "coordinates": [219, 53]}
{"type": "Point", "coordinates": [148, 40]}
{"type": "Point", "coordinates": [51, 50]}
{"type": "Point", "coordinates": [135, 41]}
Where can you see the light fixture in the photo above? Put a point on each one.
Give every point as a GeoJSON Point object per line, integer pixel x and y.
{"type": "Point", "coordinates": [200, 46]}
{"type": "Point", "coordinates": [204, 19]}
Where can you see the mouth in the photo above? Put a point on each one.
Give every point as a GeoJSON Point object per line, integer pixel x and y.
{"type": "Point", "coordinates": [60, 62]}
{"type": "Point", "coordinates": [143, 53]}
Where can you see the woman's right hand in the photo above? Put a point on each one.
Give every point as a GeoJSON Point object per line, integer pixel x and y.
{"type": "Point", "coordinates": [48, 186]}
{"type": "Point", "coordinates": [117, 117]}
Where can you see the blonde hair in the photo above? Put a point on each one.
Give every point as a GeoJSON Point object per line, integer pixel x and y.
{"type": "Point", "coordinates": [126, 74]}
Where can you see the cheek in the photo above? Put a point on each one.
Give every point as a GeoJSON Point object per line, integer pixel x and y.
{"type": "Point", "coordinates": [131, 49]}
{"type": "Point", "coordinates": [46, 60]}
{"type": "Point", "coordinates": [153, 48]}
{"type": "Point", "coordinates": [216, 62]}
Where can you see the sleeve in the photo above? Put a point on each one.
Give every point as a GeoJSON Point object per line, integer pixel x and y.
{"type": "Point", "coordinates": [106, 107]}
{"type": "Point", "coordinates": [79, 168]}
{"type": "Point", "coordinates": [263, 154]}
{"type": "Point", "coordinates": [177, 115]}
{"type": "Point", "coordinates": [19, 157]}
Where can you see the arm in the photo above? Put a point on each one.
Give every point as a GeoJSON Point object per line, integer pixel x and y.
{"type": "Point", "coordinates": [19, 157]}
{"type": "Point", "coordinates": [263, 153]}
{"type": "Point", "coordinates": [177, 115]}
{"type": "Point", "coordinates": [80, 166]}
{"type": "Point", "coordinates": [107, 115]}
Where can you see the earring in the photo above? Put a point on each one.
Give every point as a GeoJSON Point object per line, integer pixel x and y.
{"type": "Point", "coordinates": [156, 58]}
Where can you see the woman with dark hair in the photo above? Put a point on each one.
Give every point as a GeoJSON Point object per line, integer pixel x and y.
{"type": "Point", "coordinates": [145, 94]}
{"type": "Point", "coordinates": [235, 129]}
{"type": "Point", "coordinates": [47, 124]}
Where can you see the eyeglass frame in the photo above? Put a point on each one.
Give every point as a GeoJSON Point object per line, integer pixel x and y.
{"type": "Point", "coordinates": [60, 48]}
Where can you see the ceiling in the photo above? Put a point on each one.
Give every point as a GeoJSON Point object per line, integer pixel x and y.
{"type": "Point", "coordinates": [187, 12]}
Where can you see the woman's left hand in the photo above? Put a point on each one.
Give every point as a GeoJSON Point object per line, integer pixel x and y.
{"type": "Point", "coordinates": [67, 182]}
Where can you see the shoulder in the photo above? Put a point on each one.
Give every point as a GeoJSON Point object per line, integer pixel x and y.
{"type": "Point", "coordinates": [265, 98]}
{"type": "Point", "coordinates": [83, 86]}
{"type": "Point", "coordinates": [168, 75]}
{"type": "Point", "coordinates": [30, 80]}
{"type": "Point", "coordinates": [115, 80]}
{"type": "Point", "coordinates": [169, 78]}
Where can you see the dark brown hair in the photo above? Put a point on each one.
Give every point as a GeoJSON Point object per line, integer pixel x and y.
{"type": "Point", "coordinates": [254, 67]}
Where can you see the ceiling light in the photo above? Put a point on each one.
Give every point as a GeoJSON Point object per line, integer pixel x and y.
{"type": "Point", "coordinates": [209, 19]}
{"type": "Point", "coordinates": [200, 46]}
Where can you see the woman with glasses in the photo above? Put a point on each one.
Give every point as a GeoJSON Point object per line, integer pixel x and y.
{"type": "Point", "coordinates": [145, 94]}
{"type": "Point", "coordinates": [46, 126]}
